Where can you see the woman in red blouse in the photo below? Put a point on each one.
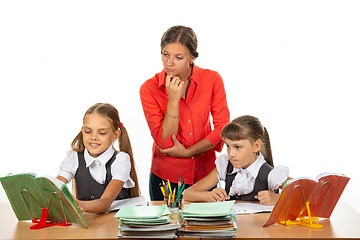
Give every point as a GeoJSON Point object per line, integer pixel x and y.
{"type": "Point", "coordinates": [177, 104]}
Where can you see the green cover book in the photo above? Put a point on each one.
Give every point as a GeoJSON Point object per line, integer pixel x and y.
{"type": "Point", "coordinates": [214, 209]}
{"type": "Point", "coordinates": [28, 194]}
{"type": "Point", "coordinates": [142, 212]}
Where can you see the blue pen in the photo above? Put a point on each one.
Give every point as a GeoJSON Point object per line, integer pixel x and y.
{"type": "Point", "coordinates": [219, 183]}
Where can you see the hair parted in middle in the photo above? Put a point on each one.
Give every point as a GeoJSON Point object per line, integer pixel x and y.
{"type": "Point", "coordinates": [181, 34]}
{"type": "Point", "coordinates": [111, 113]}
{"type": "Point", "coordinates": [249, 127]}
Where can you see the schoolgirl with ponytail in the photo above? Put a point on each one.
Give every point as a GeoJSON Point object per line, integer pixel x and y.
{"type": "Point", "coordinates": [101, 173]}
{"type": "Point", "coordinates": [247, 169]}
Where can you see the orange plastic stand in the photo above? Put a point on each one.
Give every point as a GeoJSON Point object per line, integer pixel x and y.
{"type": "Point", "coordinates": [303, 221]}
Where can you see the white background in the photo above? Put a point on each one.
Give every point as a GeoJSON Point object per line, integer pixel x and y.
{"type": "Point", "coordinates": [293, 64]}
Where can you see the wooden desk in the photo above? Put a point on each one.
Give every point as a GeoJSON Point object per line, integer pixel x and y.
{"type": "Point", "coordinates": [344, 223]}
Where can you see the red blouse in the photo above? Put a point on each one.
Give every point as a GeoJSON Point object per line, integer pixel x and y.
{"type": "Point", "coordinates": [206, 94]}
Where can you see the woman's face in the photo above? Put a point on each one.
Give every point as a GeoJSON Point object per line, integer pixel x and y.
{"type": "Point", "coordinates": [177, 60]}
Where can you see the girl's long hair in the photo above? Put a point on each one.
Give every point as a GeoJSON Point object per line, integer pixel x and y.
{"type": "Point", "coordinates": [249, 127]}
{"type": "Point", "coordinates": [111, 113]}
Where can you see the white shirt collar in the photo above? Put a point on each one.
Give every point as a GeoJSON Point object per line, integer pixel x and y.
{"type": "Point", "coordinates": [103, 158]}
{"type": "Point", "coordinates": [253, 169]}
{"type": "Point", "coordinates": [244, 180]}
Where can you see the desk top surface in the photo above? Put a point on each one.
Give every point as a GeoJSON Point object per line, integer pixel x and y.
{"type": "Point", "coordinates": [344, 223]}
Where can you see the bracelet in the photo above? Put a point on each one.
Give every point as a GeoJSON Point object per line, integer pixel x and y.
{"type": "Point", "coordinates": [171, 115]}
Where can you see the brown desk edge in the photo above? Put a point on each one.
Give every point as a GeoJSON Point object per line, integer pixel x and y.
{"type": "Point", "coordinates": [344, 223]}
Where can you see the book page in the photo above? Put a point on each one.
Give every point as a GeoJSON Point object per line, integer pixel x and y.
{"type": "Point", "coordinates": [249, 208]}
{"type": "Point", "coordinates": [327, 174]}
{"type": "Point", "coordinates": [135, 201]}
{"type": "Point", "coordinates": [296, 179]}
{"type": "Point", "coordinates": [141, 212]}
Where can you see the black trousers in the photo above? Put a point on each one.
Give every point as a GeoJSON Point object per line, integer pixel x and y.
{"type": "Point", "coordinates": [154, 187]}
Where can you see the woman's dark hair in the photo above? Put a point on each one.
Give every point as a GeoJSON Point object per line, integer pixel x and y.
{"type": "Point", "coordinates": [249, 127]}
{"type": "Point", "coordinates": [180, 34]}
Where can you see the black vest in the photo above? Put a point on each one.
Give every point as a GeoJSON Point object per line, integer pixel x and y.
{"type": "Point", "coordinates": [88, 188]}
{"type": "Point", "coordinates": [260, 182]}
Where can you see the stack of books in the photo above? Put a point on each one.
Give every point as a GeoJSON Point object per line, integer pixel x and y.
{"type": "Point", "coordinates": [209, 220]}
{"type": "Point", "coordinates": [147, 222]}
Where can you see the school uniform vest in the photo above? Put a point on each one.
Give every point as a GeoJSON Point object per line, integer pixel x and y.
{"type": "Point", "coordinates": [260, 182]}
{"type": "Point", "coordinates": [88, 188]}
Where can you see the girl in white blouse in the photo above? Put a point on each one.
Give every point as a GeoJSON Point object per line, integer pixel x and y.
{"type": "Point", "coordinates": [247, 169]}
{"type": "Point", "coordinates": [101, 174]}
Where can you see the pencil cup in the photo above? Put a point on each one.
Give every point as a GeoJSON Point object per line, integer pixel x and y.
{"type": "Point", "coordinates": [170, 203]}
{"type": "Point", "coordinates": [175, 214]}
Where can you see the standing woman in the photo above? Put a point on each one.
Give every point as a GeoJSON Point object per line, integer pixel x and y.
{"type": "Point", "coordinates": [177, 103]}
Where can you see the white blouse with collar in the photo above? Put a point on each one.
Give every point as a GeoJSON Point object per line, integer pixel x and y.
{"type": "Point", "coordinates": [120, 168]}
{"type": "Point", "coordinates": [244, 180]}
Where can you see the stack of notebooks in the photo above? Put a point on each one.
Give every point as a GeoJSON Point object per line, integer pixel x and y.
{"type": "Point", "coordinates": [209, 220]}
{"type": "Point", "coordinates": [147, 222]}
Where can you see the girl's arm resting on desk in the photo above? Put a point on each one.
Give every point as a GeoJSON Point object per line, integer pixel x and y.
{"type": "Point", "coordinates": [102, 204]}
{"type": "Point", "coordinates": [199, 192]}
{"type": "Point", "coordinates": [99, 205]}
{"type": "Point", "coordinates": [178, 150]}
{"type": "Point", "coordinates": [276, 179]}
{"type": "Point", "coordinates": [267, 197]}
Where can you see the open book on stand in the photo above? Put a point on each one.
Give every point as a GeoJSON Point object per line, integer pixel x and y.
{"type": "Point", "coordinates": [303, 200]}
{"type": "Point", "coordinates": [45, 200]}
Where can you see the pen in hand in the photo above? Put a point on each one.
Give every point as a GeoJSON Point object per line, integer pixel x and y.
{"type": "Point", "coordinates": [221, 192]}
{"type": "Point", "coordinates": [219, 182]}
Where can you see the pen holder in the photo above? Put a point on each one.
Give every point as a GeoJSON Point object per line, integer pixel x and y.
{"type": "Point", "coordinates": [174, 203]}
{"type": "Point", "coordinates": [175, 214]}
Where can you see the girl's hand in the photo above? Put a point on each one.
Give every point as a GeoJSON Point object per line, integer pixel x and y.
{"type": "Point", "coordinates": [174, 88]}
{"type": "Point", "coordinates": [80, 205]}
{"type": "Point", "coordinates": [267, 197]}
{"type": "Point", "coordinates": [178, 150]}
{"type": "Point", "coordinates": [217, 195]}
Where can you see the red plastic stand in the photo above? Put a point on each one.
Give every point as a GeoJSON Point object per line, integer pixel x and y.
{"type": "Point", "coordinates": [43, 223]}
